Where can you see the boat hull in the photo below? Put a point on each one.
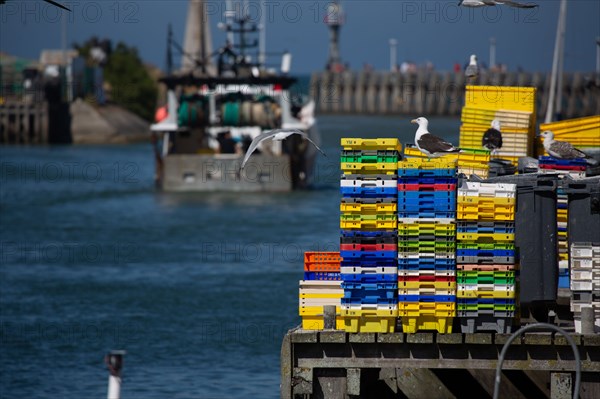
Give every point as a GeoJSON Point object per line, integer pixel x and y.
{"type": "Point", "coordinates": [193, 172]}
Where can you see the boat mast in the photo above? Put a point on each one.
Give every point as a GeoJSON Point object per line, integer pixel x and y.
{"type": "Point", "coordinates": [557, 62]}
{"type": "Point", "coordinates": [262, 39]}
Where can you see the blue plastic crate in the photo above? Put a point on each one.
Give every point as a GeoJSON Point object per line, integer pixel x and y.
{"type": "Point", "coordinates": [562, 229]}
{"type": "Point", "coordinates": [368, 255]}
{"type": "Point", "coordinates": [417, 195]}
{"type": "Point", "coordinates": [410, 172]}
{"type": "Point", "coordinates": [564, 281]}
{"type": "Point", "coordinates": [369, 192]}
{"type": "Point", "coordinates": [427, 214]}
{"type": "Point", "coordinates": [370, 278]}
{"type": "Point", "coordinates": [368, 234]}
{"type": "Point", "coordinates": [370, 301]}
{"type": "Point", "coordinates": [546, 160]}
{"type": "Point", "coordinates": [426, 180]}
{"type": "Point", "coordinates": [485, 227]}
{"type": "Point", "coordinates": [369, 262]}
{"type": "Point", "coordinates": [486, 252]}
{"type": "Point", "coordinates": [351, 286]}
{"type": "Point", "coordinates": [562, 205]}
{"type": "Point", "coordinates": [427, 263]}
{"type": "Point", "coordinates": [423, 206]}
{"type": "Point", "coordinates": [426, 298]}
{"type": "Point", "coordinates": [322, 276]}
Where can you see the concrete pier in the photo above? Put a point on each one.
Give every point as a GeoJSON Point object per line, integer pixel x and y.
{"type": "Point", "coordinates": [438, 93]}
{"type": "Point", "coordinates": [337, 365]}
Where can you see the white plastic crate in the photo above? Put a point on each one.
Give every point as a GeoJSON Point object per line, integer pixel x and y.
{"type": "Point", "coordinates": [486, 287]}
{"type": "Point", "coordinates": [492, 190]}
{"type": "Point", "coordinates": [368, 183]}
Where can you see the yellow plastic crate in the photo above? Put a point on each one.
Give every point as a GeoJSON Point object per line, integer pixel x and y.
{"type": "Point", "coordinates": [425, 228]}
{"type": "Point", "coordinates": [483, 173]}
{"type": "Point", "coordinates": [320, 295]}
{"type": "Point", "coordinates": [442, 325]}
{"type": "Point", "coordinates": [501, 98]}
{"type": "Point", "coordinates": [317, 323]}
{"type": "Point", "coordinates": [436, 309]}
{"type": "Point", "coordinates": [371, 320]}
{"type": "Point", "coordinates": [485, 237]}
{"type": "Point", "coordinates": [486, 201]}
{"type": "Point", "coordinates": [388, 168]}
{"type": "Point", "coordinates": [369, 208]}
{"type": "Point", "coordinates": [427, 163]}
{"type": "Point", "coordinates": [485, 213]}
{"type": "Point", "coordinates": [427, 284]}
{"type": "Point", "coordinates": [368, 224]}
{"type": "Point", "coordinates": [472, 155]}
{"type": "Point", "coordinates": [484, 294]}
{"type": "Point", "coordinates": [389, 144]}
{"type": "Point", "coordinates": [317, 311]}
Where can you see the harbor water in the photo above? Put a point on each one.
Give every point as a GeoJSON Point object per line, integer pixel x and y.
{"type": "Point", "coordinates": [199, 289]}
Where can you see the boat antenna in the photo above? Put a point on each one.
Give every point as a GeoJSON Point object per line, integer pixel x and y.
{"type": "Point", "coordinates": [169, 50]}
{"type": "Point", "coordinates": [558, 58]}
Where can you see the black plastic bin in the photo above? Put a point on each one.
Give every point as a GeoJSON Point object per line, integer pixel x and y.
{"type": "Point", "coordinates": [536, 235]}
{"type": "Point", "coordinates": [584, 209]}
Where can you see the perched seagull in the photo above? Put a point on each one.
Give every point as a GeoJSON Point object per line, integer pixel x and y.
{"type": "Point", "coordinates": [492, 138]}
{"type": "Point", "coordinates": [428, 144]}
{"type": "Point", "coordinates": [563, 149]}
{"type": "Point", "coordinates": [472, 70]}
{"type": "Point", "coordinates": [484, 3]}
{"type": "Point", "coordinates": [276, 135]}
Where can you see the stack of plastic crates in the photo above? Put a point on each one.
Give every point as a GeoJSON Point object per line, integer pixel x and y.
{"type": "Point", "coordinates": [562, 209]}
{"type": "Point", "coordinates": [321, 286]}
{"type": "Point", "coordinates": [581, 133]}
{"type": "Point", "coordinates": [486, 265]}
{"type": "Point", "coordinates": [470, 161]}
{"type": "Point", "coordinates": [574, 168]}
{"type": "Point", "coordinates": [514, 107]}
{"type": "Point", "coordinates": [427, 244]}
{"type": "Point", "coordinates": [368, 242]}
{"type": "Point", "coordinates": [585, 282]}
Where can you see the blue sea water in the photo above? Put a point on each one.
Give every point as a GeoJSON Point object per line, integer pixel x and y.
{"type": "Point", "coordinates": [199, 289]}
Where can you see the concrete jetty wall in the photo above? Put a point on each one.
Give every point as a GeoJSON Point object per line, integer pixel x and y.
{"type": "Point", "coordinates": [438, 93]}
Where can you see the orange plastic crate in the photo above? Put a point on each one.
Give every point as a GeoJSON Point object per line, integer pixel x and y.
{"type": "Point", "coordinates": [322, 262]}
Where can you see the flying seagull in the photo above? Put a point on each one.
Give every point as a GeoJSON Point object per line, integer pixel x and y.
{"type": "Point", "coordinates": [563, 149]}
{"type": "Point", "coordinates": [276, 135]}
{"type": "Point", "coordinates": [484, 3]}
{"type": "Point", "coordinates": [57, 4]}
{"type": "Point", "coordinates": [428, 144]}
{"type": "Point", "coordinates": [47, 1]}
{"type": "Point", "coordinates": [492, 138]}
{"type": "Point", "coordinates": [472, 70]}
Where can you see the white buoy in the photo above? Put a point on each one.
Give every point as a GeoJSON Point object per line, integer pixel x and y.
{"type": "Point", "coordinates": [114, 362]}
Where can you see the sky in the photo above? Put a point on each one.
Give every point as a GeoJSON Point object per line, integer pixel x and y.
{"type": "Point", "coordinates": [436, 31]}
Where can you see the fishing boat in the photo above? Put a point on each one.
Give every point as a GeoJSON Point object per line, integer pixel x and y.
{"type": "Point", "coordinates": [211, 117]}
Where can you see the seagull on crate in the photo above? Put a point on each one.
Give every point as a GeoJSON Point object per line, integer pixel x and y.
{"type": "Point", "coordinates": [563, 149]}
{"type": "Point", "coordinates": [484, 3]}
{"type": "Point", "coordinates": [472, 71]}
{"type": "Point", "coordinates": [492, 138]}
{"type": "Point", "coordinates": [428, 144]}
{"type": "Point", "coordinates": [275, 135]}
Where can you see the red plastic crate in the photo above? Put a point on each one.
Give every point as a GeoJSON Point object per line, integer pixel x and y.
{"type": "Point", "coordinates": [563, 167]}
{"type": "Point", "coordinates": [322, 262]}
{"type": "Point", "coordinates": [427, 187]}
